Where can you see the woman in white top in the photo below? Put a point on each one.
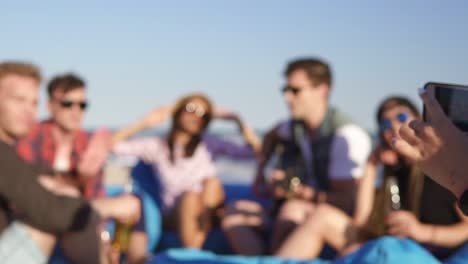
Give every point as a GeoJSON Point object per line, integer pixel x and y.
{"type": "Point", "coordinates": [183, 162]}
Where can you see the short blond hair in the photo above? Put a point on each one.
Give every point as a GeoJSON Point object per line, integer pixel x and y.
{"type": "Point", "coordinates": [22, 69]}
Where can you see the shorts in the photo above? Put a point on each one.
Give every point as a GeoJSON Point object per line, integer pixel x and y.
{"type": "Point", "coordinates": [17, 246]}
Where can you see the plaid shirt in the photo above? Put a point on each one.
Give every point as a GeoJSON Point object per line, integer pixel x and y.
{"type": "Point", "coordinates": [39, 148]}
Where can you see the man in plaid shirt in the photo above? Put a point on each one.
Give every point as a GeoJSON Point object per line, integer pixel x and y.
{"type": "Point", "coordinates": [60, 144]}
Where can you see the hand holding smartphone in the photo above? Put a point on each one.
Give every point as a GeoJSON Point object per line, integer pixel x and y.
{"type": "Point", "coordinates": [453, 99]}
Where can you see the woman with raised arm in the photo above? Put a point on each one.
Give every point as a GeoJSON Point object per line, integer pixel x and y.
{"type": "Point", "coordinates": [183, 162]}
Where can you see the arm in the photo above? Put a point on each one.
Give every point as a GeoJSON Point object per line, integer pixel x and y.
{"type": "Point", "coordinates": [247, 132]}
{"type": "Point", "coordinates": [124, 208]}
{"type": "Point", "coordinates": [143, 148]}
{"type": "Point", "coordinates": [220, 147]}
{"type": "Point", "coordinates": [447, 236]}
{"type": "Point", "coordinates": [277, 185]}
{"type": "Point", "coordinates": [268, 148]}
{"type": "Point", "coordinates": [365, 195]}
{"type": "Point", "coordinates": [128, 131]}
{"type": "Point", "coordinates": [437, 147]}
{"type": "Point", "coordinates": [444, 236]}
{"type": "Point", "coordinates": [250, 137]}
{"type": "Point", "coordinates": [41, 208]}
{"type": "Point", "coordinates": [147, 149]}
{"type": "Point", "coordinates": [366, 187]}
{"type": "Point", "coordinates": [154, 118]}
{"type": "Point", "coordinates": [348, 163]}
{"type": "Point", "coordinates": [405, 224]}
{"type": "Point", "coordinates": [93, 159]}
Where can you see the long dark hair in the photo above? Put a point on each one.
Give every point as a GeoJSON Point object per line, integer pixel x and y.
{"type": "Point", "coordinates": [415, 178]}
{"type": "Point", "coordinates": [179, 108]}
{"type": "Point", "coordinates": [389, 103]}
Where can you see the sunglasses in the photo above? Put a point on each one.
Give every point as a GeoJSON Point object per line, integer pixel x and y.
{"type": "Point", "coordinates": [387, 122]}
{"type": "Point", "coordinates": [294, 90]}
{"type": "Point", "coordinates": [196, 110]}
{"type": "Point", "coordinates": [69, 104]}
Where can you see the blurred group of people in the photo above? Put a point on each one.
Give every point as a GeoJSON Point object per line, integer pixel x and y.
{"type": "Point", "coordinates": [325, 181]}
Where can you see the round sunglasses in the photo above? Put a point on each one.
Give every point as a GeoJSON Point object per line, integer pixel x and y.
{"type": "Point", "coordinates": [386, 123]}
{"type": "Point", "coordinates": [192, 108]}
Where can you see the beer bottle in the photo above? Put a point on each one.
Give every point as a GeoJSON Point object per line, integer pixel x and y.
{"type": "Point", "coordinates": [123, 230]}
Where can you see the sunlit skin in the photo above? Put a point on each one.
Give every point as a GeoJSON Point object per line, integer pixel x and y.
{"type": "Point", "coordinates": [190, 122]}
{"type": "Point", "coordinates": [67, 119]}
{"type": "Point", "coordinates": [18, 105]}
{"type": "Point", "coordinates": [388, 156]}
{"type": "Point", "coordinates": [310, 103]}
{"type": "Point", "coordinates": [391, 114]}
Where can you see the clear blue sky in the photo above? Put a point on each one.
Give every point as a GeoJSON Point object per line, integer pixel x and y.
{"type": "Point", "coordinates": [139, 54]}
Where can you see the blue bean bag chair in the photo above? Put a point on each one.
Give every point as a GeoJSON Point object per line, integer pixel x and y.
{"type": "Point", "coordinates": [191, 256]}
{"type": "Point", "coordinates": [151, 215]}
{"type": "Point", "coordinates": [389, 250]}
{"type": "Point", "coordinates": [386, 250]}
{"type": "Point", "coordinates": [460, 257]}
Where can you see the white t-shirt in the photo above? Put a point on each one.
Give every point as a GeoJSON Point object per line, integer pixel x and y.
{"type": "Point", "coordinates": [350, 150]}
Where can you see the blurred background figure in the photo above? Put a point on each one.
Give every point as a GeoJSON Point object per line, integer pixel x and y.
{"type": "Point", "coordinates": [182, 160]}
{"type": "Point", "coordinates": [75, 157]}
{"type": "Point", "coordinates": [60, 142]}
{"type": "Point", "coordinates": [31, 215]}
{"type": "Point", "coordinates": [438, 147]}
{"type": "Point", "coordinates": [320, 155]}
{"type": "Point", "coordinates": [407, 204]}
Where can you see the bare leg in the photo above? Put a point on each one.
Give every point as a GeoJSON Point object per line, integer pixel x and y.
{"type": "Point", "coordinates": [196, 212]}
{"type": "Point", "coordinates": [45, 241]}
{"type": "Point", "coordinates": [326, 225]}
{"type": "Point", "coordinates": [189, 227]}
{"type": "Point", "coordinates": [213, 199]}
{"type": "Point", "coordinates": [241, 223]}
{"type": "Point", "coordinates": [137, 247]}
{"type": "Point", "coordinates": [213, 193]}
{"type": "Point", "coordinates": [291, 214]}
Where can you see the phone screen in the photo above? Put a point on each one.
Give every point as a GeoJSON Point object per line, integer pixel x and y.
{"type": "Point", "coordinates": [454, 102]}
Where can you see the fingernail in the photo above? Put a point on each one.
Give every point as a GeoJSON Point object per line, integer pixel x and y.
{"type": "Point", "coordinates": [421, 91]}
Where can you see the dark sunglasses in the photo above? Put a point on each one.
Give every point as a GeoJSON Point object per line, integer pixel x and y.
{"type": "Point", "coordinates": [293, 90]}
{"type": "Point", "coordinates": [69, 104]}
{"type": "Point", "coordinates": [387, 122]}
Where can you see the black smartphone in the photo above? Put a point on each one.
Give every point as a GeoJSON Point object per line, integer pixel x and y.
{"type": "Point", "coordinates": [453, 99]}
